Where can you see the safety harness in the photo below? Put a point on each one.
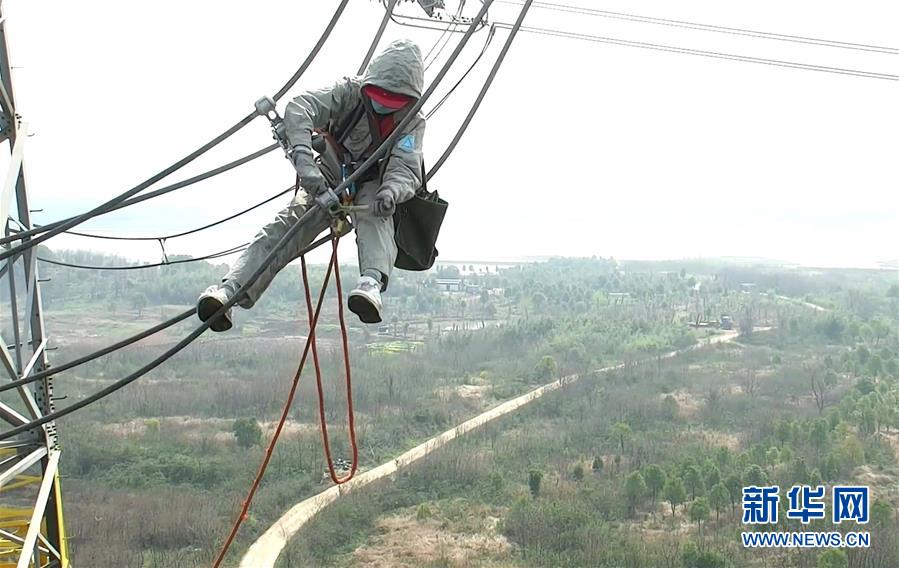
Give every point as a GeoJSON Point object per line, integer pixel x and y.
{"type": "Point", "coordinates": [330, 142]}
{"type": "Point", "coordinates": [417, 221]}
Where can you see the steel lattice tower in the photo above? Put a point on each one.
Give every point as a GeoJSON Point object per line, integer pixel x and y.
{"type": "Point", "coordinates": [32, 532]}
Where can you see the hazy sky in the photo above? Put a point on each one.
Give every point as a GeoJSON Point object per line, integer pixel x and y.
{"type": "Point", "coordinates": [579, 149]}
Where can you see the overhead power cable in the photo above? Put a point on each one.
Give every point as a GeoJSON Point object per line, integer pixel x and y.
{"type": "Point", "coordinates": [112, 203]}
{"type": "Point", "coordinates": [388, 11]}
{"type": "Point", "coordinates": [445, 31]}
{"type": "Point", "coordinates": [211, 256]}
{"type": "Point", "coordinates": [477, 103]}
{"type": "Point", "coordinates": [104, 208]}
{"type": "Point", "coordinates": [707, 27]}
{"type": "Point", "coordinates": [312, 54]}
{"type": "Point", "coordinates": [288, 235]}
{"type": "Point", "coordinates": [97, 354]}
{"type": "Point", "coordinates": [481, 25]}
{"type": "Point", "coordinates": [454, 19]}
{"type": "Point", "coordinates": [150, 194]}
{"type": "Point", "coordinates": [121, 383]}
{"type": "Point", "coordinates": [195, 179]}
{"type": "Point", "coordinates": [190, 231]}
{"type": "Point", "coordinates": [446, 41]}
{"type": "Point", "coordinates": [362, 68]}
{"type": "Point", "coordinates": [474, 63]}
{"type": "Point", "coordinates": [440, 50]}
{"type": "Point", "coordinates": [703, 53]}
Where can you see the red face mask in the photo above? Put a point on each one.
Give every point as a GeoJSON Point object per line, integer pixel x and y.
{"type": "Point", "coordinates": [384, 100]}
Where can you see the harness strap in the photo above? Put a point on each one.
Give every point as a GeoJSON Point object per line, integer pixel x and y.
{"type": "Point", "coordinates": [349, 122]}
{"type": "Point", "coordinates": [379, 130]}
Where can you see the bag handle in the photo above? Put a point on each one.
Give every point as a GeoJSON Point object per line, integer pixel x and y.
{"type": "Point", "coordinates": [423, 188]}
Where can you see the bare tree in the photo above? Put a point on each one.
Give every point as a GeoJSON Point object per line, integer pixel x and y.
{"type": "Point", "coordinates": [750, 381]}
{"type": "Point", "coordinates": [821, 384]}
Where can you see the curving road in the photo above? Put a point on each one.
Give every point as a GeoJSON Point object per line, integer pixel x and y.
{"type": "Point", "coordinates": [265, 551]}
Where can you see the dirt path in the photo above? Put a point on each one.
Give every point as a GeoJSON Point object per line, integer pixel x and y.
{"type": "Point", "coordinates": [265, 551]}
{"type": "Point", "coordinates": [815, 307]}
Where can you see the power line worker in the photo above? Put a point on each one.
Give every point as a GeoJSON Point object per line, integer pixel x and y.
{"type": "Point", "coordinates": [350, 119]}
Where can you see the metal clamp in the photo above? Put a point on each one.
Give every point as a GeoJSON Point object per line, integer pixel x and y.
{"type": "Point", "coordinates": [328, 201]}
{"type": "Point", "coordinates": [341, 226]}
{"type": "Point", "coordinates": [266, 107]}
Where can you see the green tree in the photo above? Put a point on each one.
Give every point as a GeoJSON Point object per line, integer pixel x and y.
{"type": "Point", "coordinates": [152, 425]}
{"type": "Point", "coordinates": [830, 468]}
{"type": "Point", "coordinates": [881, 513]}
{"type": "Point", "coordinates": [755, 475]}
{"type": "Point", "coordinates": [817, 436]}
{"type": "Point", "coordinates": [423, 512]}
{"type": "Point", "coordinates": [734, 486]}
{"type": "Point", "coordinates": [862, 354]}
{"type": "Point", "coordinates": [786, 455]}
{"type": "Point", "coordinates": [783, 431]}
{"type": "Point", "coordinates": [693, 481]}
{"type": "Point", "coordinates": [670, 408]}
{"type": "Point", "coordinates": [833, 558]}
{"type": "Point", "coordinates": [675, 493]}
{"type": "Point", "coordinates": [634, 490]}
{"type": "Point", "coordinates": [723, 457]}
{"type": "Point", "coordinates": [719, 497]}
{"type": "Point", "coordinates": [712, 474]}
{"type": "Point", "coordinates": [874, 366]}
{"type": "Point", "coordinates": [247, 432]}
{"type": "Point", "coordinates": [578, 472]}
{"type": "Point", "coordinates": [655, 480]}
{"type": "Point", "coordinates": [833, 328]}
{"type": "Point", "coordinates": [814, 478]}
{"type": "Point", "coordinates": [138, 302]}
{"type": "Point", "coordinates": [865, 385]}
{"type": "Point", "coordinates": [546, 368]}
{"type": "Point", "coordinates": [622, 432]}
{"type": "Point", "coordinates": [893, 291]}
{"type": "Point", "coordinates": [799, 471]}
{"type": "Point", "coordinates": [699, 511]}
{"type": "Point", "coordinates": [534, 479]}
{"type": "Point", "coordinates": [693, 557]}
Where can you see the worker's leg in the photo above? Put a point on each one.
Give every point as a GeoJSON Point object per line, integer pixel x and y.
{"type": "Point", "coordinates": [266, 240]}
{"type": "Point", "coordinates": [377, 253]}
{"type": "Point", "coordinates": [215, 297]}
{"type": "Point", "coordinates": [374, 237]}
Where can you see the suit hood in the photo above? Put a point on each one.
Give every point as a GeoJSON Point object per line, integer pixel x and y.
{"type": "Point", "coordinates": [399, 69]}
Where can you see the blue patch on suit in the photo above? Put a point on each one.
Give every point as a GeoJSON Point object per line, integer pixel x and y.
{"type": "Point", "coordinates": [407, 143]}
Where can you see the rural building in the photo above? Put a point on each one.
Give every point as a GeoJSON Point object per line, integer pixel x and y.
{"type": "Point", "coordinates": [449, 284]}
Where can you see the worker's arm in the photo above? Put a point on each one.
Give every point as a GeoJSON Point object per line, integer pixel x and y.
{"type": "Point", "coordinates": [402, 177]}
{"type": "Point", "coordinates": [314, 109]}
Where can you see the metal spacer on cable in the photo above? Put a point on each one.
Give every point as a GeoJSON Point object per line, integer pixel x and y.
{"type": "Point", "coordinates": [264, 106]}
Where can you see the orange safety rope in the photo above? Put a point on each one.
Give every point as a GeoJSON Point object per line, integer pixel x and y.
{"type": "Point", "coordinates": [310, 343]}
{"type": "Point", "coordinates": [318, 378]}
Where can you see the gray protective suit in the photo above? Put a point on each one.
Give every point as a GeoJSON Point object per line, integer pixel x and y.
{"type": "Point", "coordinates": [397, 69]}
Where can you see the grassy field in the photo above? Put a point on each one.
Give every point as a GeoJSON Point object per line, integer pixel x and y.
{"type": "Point", "coordinates": [475, 504]}
{"type": "Point", "coordinates": [153, 476]}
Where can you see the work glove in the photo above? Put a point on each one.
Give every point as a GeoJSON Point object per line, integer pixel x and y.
{"type": "Point", "coordinates": [311, 178]}
{"type": "Point", "coordinates": [384, 204]}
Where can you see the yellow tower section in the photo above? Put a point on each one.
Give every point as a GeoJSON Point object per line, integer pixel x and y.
{"type": "Point", "coordinates": [32, 531]}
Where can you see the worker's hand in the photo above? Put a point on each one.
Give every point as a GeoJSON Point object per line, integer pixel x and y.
{"type": "Point", "coordinates": [311, 178]}
{"type": "Point", "coordinates": [384, 204]}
